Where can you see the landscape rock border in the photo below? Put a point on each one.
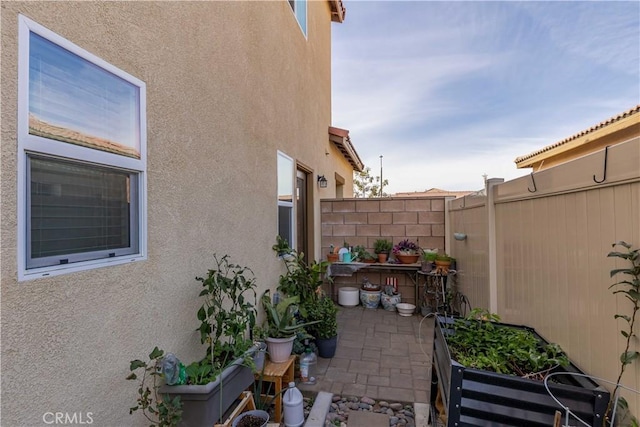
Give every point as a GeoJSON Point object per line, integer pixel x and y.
{"type": "Point", "coordinates": [401, 414]}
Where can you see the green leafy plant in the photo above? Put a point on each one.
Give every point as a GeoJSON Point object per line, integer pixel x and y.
{"type": "Point", "coordinates": [281, 317]}
{"type": "Point", "coordinates": [326, 312]}
{"type": "Point", "coordinates": [226, 316]}
{"type": "Point", "coordinates": [479, 342]}
{"type": "Point", "coordinates": [443, 257]}
{"type": "Point", "coordinates": [406, 247]}
{"type": "Point", "coordinates": [629, 287]}
{"type": "Point", "coordinates": [160, 410]}
{"type": "Point", "coordinates": [382, 246]}
{"type": "Point", "coordinates": [282, 246]}
{"type": "Point", "coordinates": [359, 252]}
{"type": "Point", "coordinates": [303, 280]}
{"type": "Point", "coordinates": [429, 256]}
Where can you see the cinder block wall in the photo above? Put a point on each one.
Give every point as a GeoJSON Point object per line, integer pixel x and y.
{"type": "Point", "coordinates": [363, 221]}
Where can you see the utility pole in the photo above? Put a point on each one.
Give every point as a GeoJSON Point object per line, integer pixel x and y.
{"type": "Point", "coordinates": [381, 182]}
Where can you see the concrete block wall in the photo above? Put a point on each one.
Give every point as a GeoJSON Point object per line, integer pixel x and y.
{"type": "Point", "coordinates": [363, 221]}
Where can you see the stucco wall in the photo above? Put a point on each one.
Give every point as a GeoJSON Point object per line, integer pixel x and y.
{"type": "Point", "coordinates": [228, 84]}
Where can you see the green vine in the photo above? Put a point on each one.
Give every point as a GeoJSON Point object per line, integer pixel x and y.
{"type": "Point", "coordinates": [161, 411]}
{"type": "Point", "coordinates": [630, 288]}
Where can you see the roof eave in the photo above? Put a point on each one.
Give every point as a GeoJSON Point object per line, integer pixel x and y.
{"type": "Point", "coordinates": [607, 127]}
{"type": "Point", "coordinates": [338, 11]}
{"type": "Point", "coordinates": [341, 139]}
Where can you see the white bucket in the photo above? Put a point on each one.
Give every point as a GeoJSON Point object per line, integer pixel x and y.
{"type": "Point", "coordinates": [348, 297]}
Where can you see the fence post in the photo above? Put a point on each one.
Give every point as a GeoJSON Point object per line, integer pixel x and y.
{"type": "Point", "coordinates": [491, 236]}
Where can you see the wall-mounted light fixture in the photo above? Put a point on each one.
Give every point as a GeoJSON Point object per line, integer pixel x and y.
{"type": "Point", "coordinates": [322, 181]}
{"type": "Point", "coordinates": [459, 236]}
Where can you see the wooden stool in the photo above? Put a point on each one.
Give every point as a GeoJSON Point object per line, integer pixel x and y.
{"type": "Point", "coordinates": [278, 374]}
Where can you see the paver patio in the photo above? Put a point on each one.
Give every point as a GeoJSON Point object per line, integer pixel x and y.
{"type": "Point", "coordinates": [380, 355]}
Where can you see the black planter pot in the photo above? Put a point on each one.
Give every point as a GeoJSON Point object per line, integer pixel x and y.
{"type": "Point", "coordinates": [327, 347]}
{"type": "Point", "coordinates": [474, 397]}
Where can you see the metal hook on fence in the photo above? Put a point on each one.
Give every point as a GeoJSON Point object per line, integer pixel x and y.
{"type": "Point", "coordinates": [604, 175]}
{"type": "Point", "coordinates": [534, 185]}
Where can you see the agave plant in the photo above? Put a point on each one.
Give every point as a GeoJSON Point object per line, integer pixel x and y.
{"type": "Point", "coordinates": [281, 317]}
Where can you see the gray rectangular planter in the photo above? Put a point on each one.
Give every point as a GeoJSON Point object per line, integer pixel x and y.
{"type": "Point", "coordinates": [474, 397]}
{"type": "Point", "coordinates": [203, 405]}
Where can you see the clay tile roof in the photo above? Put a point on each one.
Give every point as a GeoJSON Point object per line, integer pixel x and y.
{"type": "Point", "coordinates": [340, 137]}
{"type": "Point", "coordinates": [614, 119]}
{"type": "Point", "coordinates": [338, 10]}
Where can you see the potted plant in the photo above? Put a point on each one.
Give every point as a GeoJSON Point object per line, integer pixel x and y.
{"type": "Point", "coordinates": [359, 253]}
{"type": "Point", "coordinates": [428, 259]}
{"type": "Point", "coordinates": [253, 418]}
{"type": "Point", "coordinates": [208, 387]}
{"type": "Point", "coordinates": [443, 263]}
{"type": "Point", "coordinates": [407, 252]}
{"type": "Point", "coordinates": [499, 369]}
{"type": "Point", "coordinates": [382, 247]}
{"type": "Point", "coordinates": [282, 325]}
{"type": "Point", "coordinates": [281, 247]}
{"type": "Point", "coordinates": [332, 256]}
{"type": "Point", "coordinates": [326, 330]}
{"type": "Point", "coordinates": [368, 258]}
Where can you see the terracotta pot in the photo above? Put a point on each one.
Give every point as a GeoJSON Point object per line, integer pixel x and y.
{"type": "Point", "coordinates": [332, 257]}
{"type": "Point", "coordinates": [407, 259]}
{"type": "Point", "coordinates": [382, 258]}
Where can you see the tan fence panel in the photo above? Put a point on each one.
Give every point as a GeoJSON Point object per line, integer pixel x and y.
{"type": "Point", "coordinates": [552, 268]}
{"type": "Point", "coordinates": [469, 216]}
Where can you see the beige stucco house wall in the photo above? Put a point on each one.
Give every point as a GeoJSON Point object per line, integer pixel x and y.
{"type": "Point", "coordinates": [229, 84]}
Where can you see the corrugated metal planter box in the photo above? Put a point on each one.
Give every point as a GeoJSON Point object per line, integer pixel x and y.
{"type": "Point", "coordinates": [475, 397]}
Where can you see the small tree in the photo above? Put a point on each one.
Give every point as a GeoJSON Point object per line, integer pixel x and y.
{"type": "Point", "coordinates": [367, 186]}
{"type": "Point", "coordinates": [629, 287]}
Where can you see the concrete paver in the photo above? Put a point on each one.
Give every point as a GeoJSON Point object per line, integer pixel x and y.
{"type": "Point", "coordinates": [367, 419]}
{"type": "Point", "coordinates": [380, 355]}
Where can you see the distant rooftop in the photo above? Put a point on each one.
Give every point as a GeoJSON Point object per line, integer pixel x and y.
{"type": "Point", "coordinates": [622, 121]}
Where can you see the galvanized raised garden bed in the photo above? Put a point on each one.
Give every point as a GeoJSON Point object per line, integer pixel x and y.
{"type": "Point", "coordinates": [473, 397]}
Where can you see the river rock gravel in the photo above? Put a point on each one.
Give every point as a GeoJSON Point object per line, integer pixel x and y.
{"type": "Point", "coordinates": [400, 414]}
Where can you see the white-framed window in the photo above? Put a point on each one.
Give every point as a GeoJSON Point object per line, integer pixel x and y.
{"type": "Point", "coordinates": [81, 158]}
{"type": "Point", "coordinates": [285, 198]}
{"type": "Point", "coordinates": [299, 8]}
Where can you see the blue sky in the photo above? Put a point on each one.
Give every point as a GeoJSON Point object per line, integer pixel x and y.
{"type": "Point", "coordinates": [448, 91]}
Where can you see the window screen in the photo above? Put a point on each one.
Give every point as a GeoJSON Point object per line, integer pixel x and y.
{"type": "Point", "coordinates": [79, 211]}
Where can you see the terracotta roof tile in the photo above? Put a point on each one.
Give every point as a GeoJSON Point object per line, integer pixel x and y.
{"type": "Point", "coordinates": [614, 119]}
{"type": "Point", "coordinates": [338, 11]}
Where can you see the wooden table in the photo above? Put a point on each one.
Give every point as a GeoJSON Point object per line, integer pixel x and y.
{"type": "Point", "coordinates": [278, 374]}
